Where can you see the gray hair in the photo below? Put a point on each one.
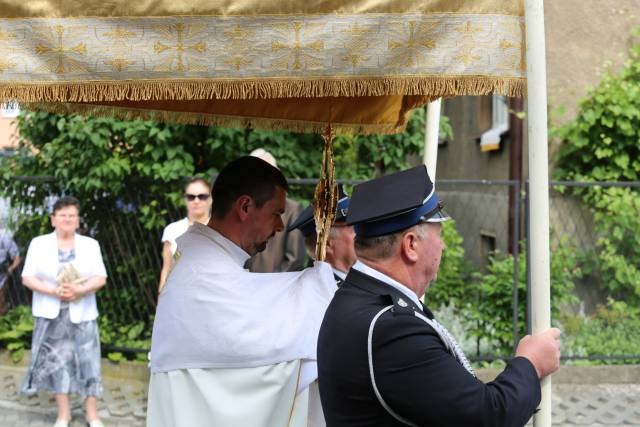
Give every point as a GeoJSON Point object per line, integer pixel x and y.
{"type": "Point", "coordinates": [382, 247]}
{"type": "Point", "coordinates": [311, 240]}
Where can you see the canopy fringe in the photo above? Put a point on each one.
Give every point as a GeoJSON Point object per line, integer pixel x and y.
{"type": "Point", "coordinates": [326, 196]}
{"type": "Point", "coordinates": [101, 91]}
{"type": "Point", "coordinates": [215, 120]}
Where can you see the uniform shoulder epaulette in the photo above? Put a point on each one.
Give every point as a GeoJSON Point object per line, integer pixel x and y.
{"type": "Point", "coordinates": [402, 306]}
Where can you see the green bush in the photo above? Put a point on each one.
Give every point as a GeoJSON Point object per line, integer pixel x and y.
{"type": "Point", "coordinates": [614, 330]}
{"type": "Point", "coordinates": [16, 329]}
{"type": "Point", "coordinates": [125, 336]}
{"type": "Point", "coordinates": [485, 300]}
{"type": "Point", "coordinates": [602, 144]}
{"type": "Point", "coordinates": [493, 315]}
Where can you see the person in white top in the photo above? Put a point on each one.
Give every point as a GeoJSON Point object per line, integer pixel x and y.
{"type": "Point", "coordinates": [231, 347]}
{"type": "Point", "coordinates": [198, 199]}
{"type": "Point", "coordinates": [65, 270]}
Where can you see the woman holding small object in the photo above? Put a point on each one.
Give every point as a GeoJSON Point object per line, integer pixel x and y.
{"type": "Point", "coordinates": [64, 270]}
{"type": "Point", "coordinates": [197, 195]}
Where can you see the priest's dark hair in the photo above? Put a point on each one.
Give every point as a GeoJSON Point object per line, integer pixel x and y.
{"type": "Point", "coordinates": [249, 176]}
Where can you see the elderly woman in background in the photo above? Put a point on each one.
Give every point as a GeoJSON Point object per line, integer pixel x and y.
{"type": "Point", "coordinates": [197, 195]}
{"type": "Point", "coordinates": [64, 270]}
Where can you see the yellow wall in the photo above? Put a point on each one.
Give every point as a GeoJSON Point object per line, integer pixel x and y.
{"type": "Point", "coordinates": [582, 36]}
{"type": "Point", "coordinates": [8, 133]}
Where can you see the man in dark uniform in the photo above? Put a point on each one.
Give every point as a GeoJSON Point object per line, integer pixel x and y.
{"type": "Point", "coordinates": [383, 359]}
{"type": "Point", "coordinates": [340, 251]}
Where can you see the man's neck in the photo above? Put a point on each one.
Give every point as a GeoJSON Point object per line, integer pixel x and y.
{"type": "Point", "coordinates": [338, 264]}
{"type": "Point", "coordinates": [396, 271]}
{"type": "Point", "coordinates": [222, 227]}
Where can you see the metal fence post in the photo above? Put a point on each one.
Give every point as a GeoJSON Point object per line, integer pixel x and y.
{"type": "Point", "coordinates": [528, 252]}
{"type": "Point", "coordinates": [516, 266]}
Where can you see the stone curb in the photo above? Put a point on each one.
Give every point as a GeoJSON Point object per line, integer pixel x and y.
{"type": "Point", "coordinates": [136, 371]}
{"type": "Point", "coordinates": [568, 374]}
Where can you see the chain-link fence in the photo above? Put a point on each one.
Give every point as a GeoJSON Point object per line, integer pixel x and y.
{"type": "Point", "coordinates": [594, 239]}
{"type": "Point", "coordinates": [490, 217]}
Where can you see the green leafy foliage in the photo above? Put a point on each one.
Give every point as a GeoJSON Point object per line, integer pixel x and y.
{"type": "Point", "coordinates": [494, 320]}
{"type": "Point", "coordinates": [125, 336]}
{"type": "Point", "coordinates": [362, 157]}
{"type": "Point", "coordinates": [102, 160]}
{"type": "Point", "coordinates": [485, 299]}
{"type": "Point", "coordinates": [16, 328]}
{"type": "Point", "coordinates": [128, 176]}
{"type": "Point", "coordinates": [603, 144]}
{"type": "Point", "coordinates": [613, 330]}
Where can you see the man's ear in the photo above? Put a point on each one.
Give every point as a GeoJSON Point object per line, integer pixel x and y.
{"type": "Point", "coordinates": [242, 206]}
{"type": "Point", "coordinates": [409, 246]}
{"type": "Point", "coordinates": [329, 246]}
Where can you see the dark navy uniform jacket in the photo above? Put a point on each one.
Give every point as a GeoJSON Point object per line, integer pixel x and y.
{"type": "Point", "coordinates": [416, 376]}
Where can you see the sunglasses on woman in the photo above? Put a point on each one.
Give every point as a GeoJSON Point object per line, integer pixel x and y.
{"type": "Point", "coordinates": [191, 197]}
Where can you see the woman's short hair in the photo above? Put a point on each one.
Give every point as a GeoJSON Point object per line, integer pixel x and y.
{"type": "Point", "coordinates": [64, 202]}
{"type": "Point", "coordinates": [195, 179]}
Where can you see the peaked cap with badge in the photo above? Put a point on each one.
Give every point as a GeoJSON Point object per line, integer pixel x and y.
{"type": "Point", "coordinates": [394, 202]}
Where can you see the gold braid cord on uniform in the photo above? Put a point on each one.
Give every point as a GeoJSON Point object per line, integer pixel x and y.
{"type": "Point", "coordinates": [326, 196]}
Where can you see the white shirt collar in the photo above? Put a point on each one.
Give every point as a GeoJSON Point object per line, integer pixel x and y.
{"type": "Point", "coordinates": [363, 268]}
{"type": "Point", "coordinates": [237, 253]}
{"type": "Point", "coordinates": [340, 274]}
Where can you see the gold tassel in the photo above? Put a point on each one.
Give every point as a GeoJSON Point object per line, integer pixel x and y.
{"type": "Point", "coordinates": [326, 196]}
{"type": "Point", "coordinates": [145, 90]}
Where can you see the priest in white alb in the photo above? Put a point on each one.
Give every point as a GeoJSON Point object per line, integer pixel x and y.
{"type": "Point", "coordinates": [232, 348]}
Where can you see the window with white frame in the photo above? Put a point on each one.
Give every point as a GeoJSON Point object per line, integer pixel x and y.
{"type": "Point", "coordinates": [9, 111]}
{"type": "Point", "coordinates": [491, 138]}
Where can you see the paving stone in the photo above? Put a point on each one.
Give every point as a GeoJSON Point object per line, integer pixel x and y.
{"type": "Point", "coordinates": [593, 405]}
{"type": "Point", "coordinates": [124, 404]}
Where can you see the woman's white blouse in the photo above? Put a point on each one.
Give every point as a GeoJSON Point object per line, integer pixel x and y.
{"type": "Point", "coordinates": [173, 231]}
{"type": "Point", "coordinates": [42, 262]}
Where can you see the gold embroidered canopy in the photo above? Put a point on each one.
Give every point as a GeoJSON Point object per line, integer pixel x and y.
{"type": "Point", "coordinates": [360, 65]}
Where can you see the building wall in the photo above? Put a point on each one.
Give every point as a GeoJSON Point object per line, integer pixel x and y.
{"type": "Point", "coordinates": [462, 158]}
{"type": "Point", "coordinates": [582, 36]}
{"type": "Point", "coordinates": [8, 133]}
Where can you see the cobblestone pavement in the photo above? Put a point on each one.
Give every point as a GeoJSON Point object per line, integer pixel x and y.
{"type": "Point", "coordinates": [124, 404]}
{"type": "Point", "coordinates": [596, 405]}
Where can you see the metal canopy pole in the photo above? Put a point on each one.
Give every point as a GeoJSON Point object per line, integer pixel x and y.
{"type": "Point", "coordinates": [432, 131]}
{"type": "Point", "coordinates": [539, 185]}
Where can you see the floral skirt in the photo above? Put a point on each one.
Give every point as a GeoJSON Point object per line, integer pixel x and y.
{"type": "Point", "coordinates": [65, 357]}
